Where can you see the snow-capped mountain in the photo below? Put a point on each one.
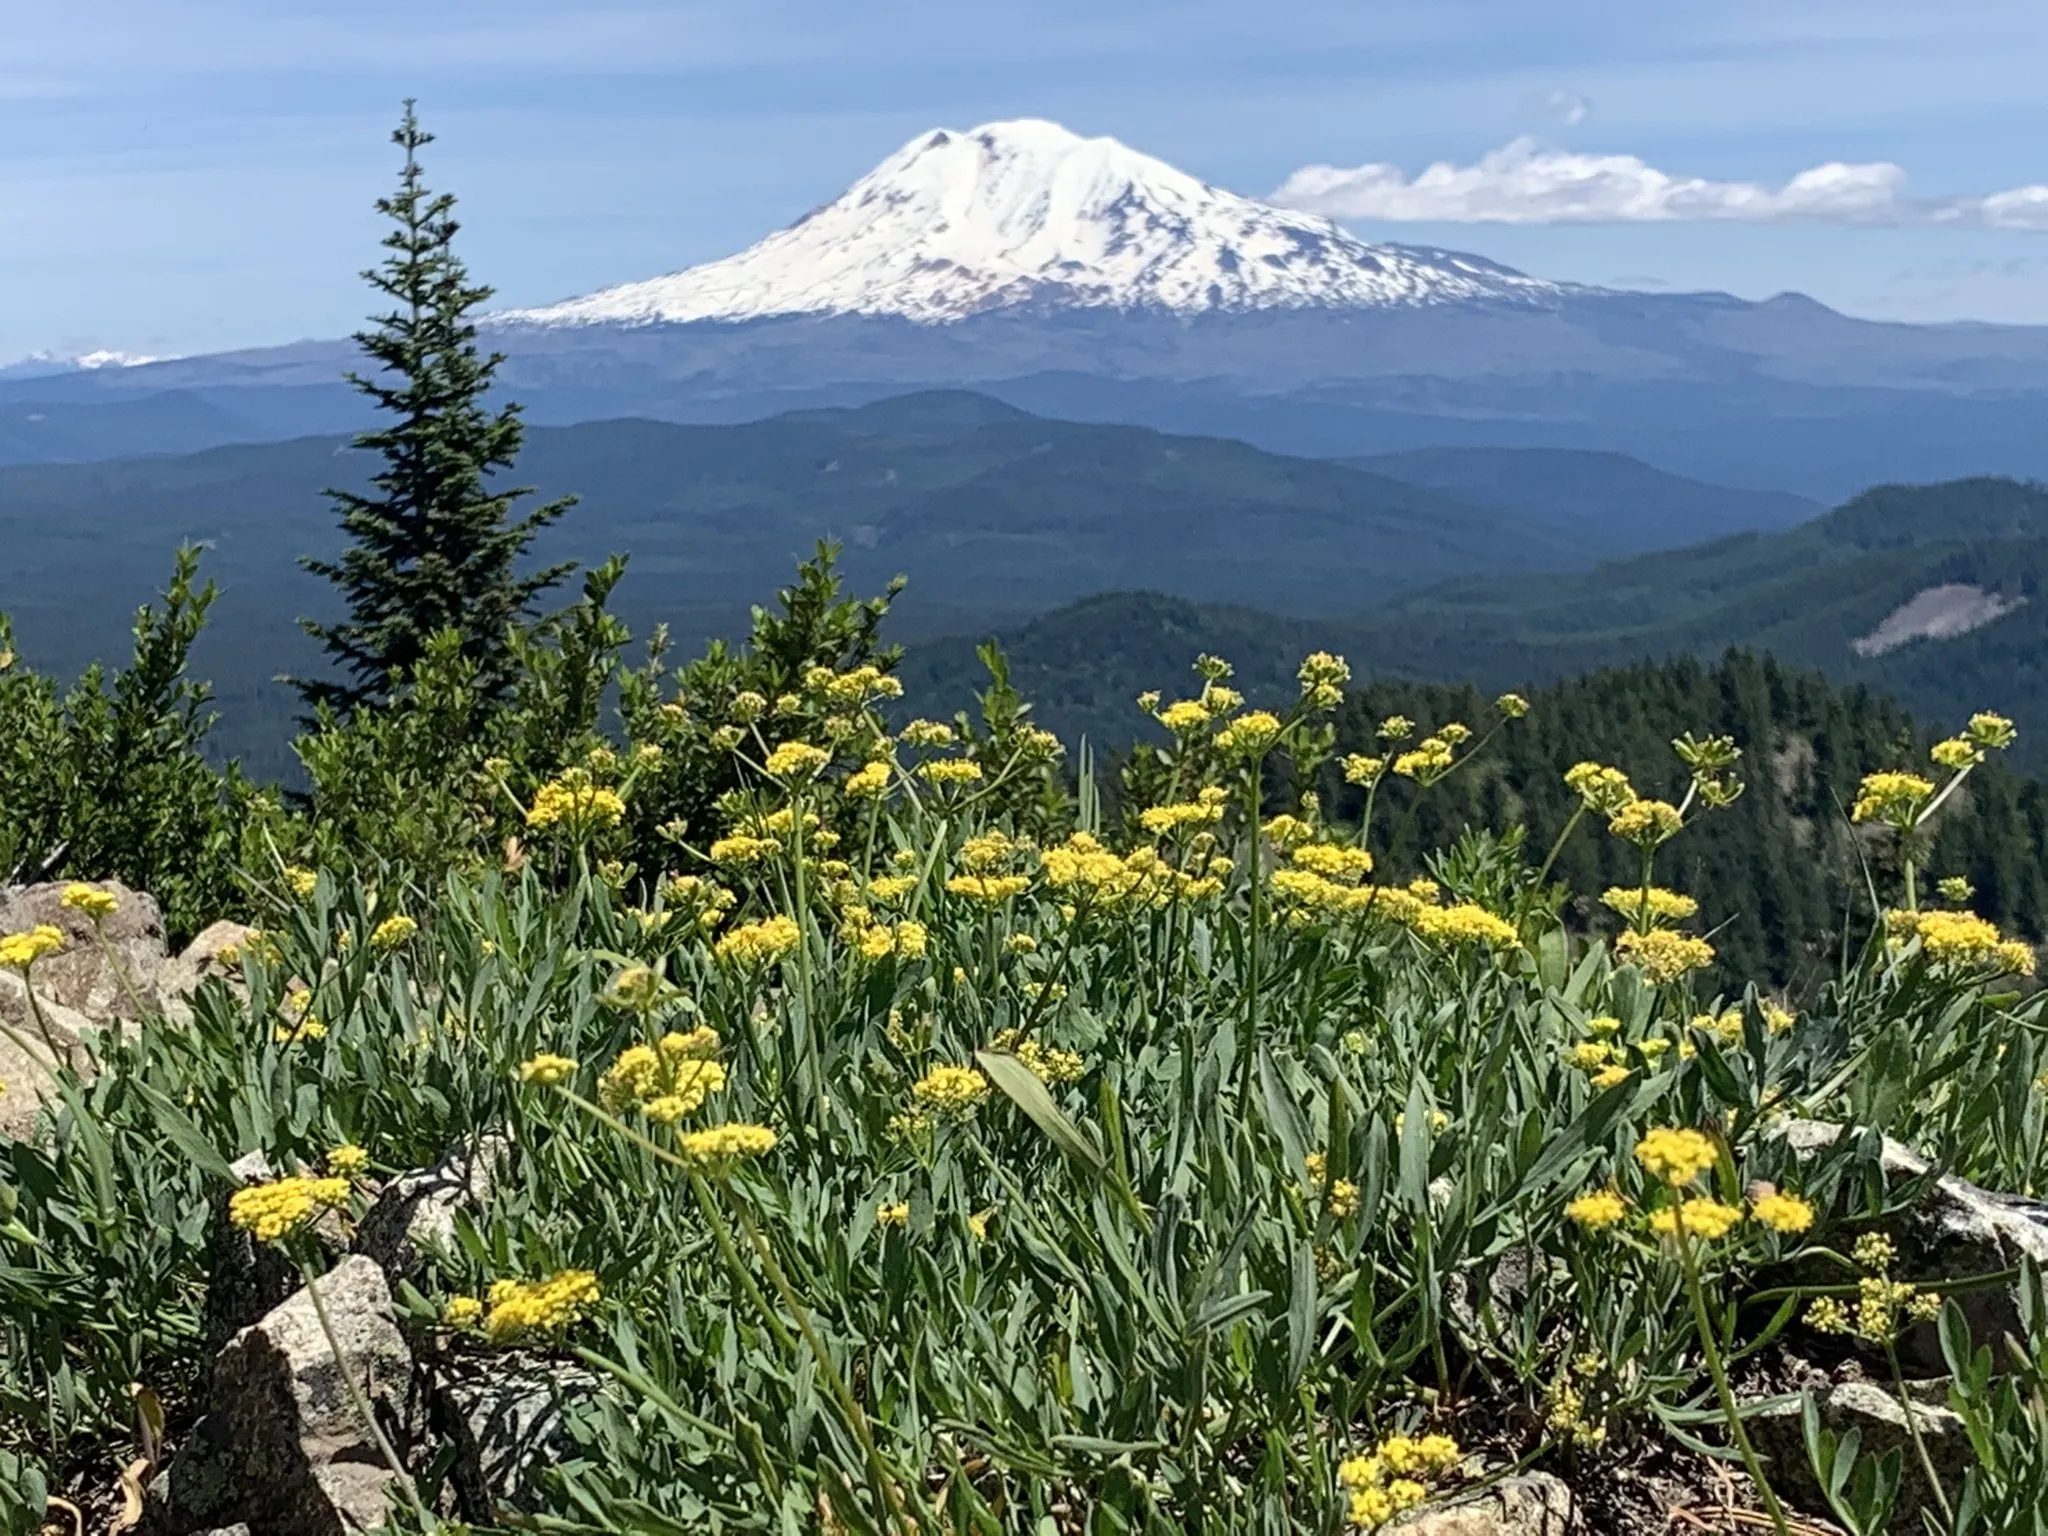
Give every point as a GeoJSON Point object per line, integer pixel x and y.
{"type": "Point", "coordinates": [45, 364]}
{"type": "Point", "coordinates": [1027, 213]}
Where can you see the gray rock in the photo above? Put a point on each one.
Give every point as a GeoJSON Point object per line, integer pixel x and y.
{"type": "Point", "coordinates": [1955, 1231]}
{"type": "Point", "coordinates": [281, 1446]}
{"type": "Point", "coordinates": [1880, 1419]}
{"type": "Point", "coordinates": [505, 1414]}
{"type": "Point", "coordinates": [107, 972]}
{"type": "Point", "coordinates": [199, 961]}
{"type": "Point", "coordinates": [1532, 1504]}
{"type": "Point", "coordinates": [26, 1058]}
{"type": "Point", "coordinates": [415, 1214]}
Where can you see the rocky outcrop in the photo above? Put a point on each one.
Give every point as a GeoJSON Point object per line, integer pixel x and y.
{"type": "Point", "coordinates": [1953, 1231]}
{"type": "Point", "coordinates": [214, 953]}
{"type": "Point", "coordinates": [27, 1055]}
{"type": "Point", "coordinates": [107, 971]}
{"type": "Point", "coordinates": [504, 1415]}
{"type": "Point", "coordinates": [415, 1213]}
{"type": "Point", "coordinates": [1879, 1419]}
{"type": "Point", "coordinates": [282, 1446]}
{"type": "Point", "coordinates": [1533, 1504]}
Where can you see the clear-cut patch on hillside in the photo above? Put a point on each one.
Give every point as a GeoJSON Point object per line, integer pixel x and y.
{"type": "Point", "coordinates": [1938, 613]}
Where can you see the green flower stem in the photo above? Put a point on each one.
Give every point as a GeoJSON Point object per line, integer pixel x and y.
{"type": "Point", "coordinates": [1688, 1261]}
{"type": "Point", "coordinates": [58, 1055]}
{"type": "Point", "coordinates": [1891, 1354]}
{"type": "Point", "coordinates": [361, 1405]}
{"type": "Point", "coordinates": [886, 1485]}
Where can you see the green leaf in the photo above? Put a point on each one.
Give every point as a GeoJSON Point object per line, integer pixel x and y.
{"type": "Point", "coordinates": [1024, 1090]}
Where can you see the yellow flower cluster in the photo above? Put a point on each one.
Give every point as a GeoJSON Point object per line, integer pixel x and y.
{"type": "Point", "coordinates": [348, 1160]}
{"type": "Point", "coordinates": [739, 848]}
{"type": "Point", "coordinates": [1205, 810]}
{"type": "Point", "coordinates": [950, 1093]}
{"type": "Point", "coordinates": [850, 690]}
{"type": "Point", "coordinates": [1663, 954]}
{"type": "Point", "coordinates": [992, 890]}
{"type": "Point", "coordinates": [726, 1144]}
{"type": "Point", "coordinates": [303, 881]}
{"type": "Point", "coordinates": [518, 1308]}
{"type": "Point", "coordinates": [1431, 759]}
{"type": "Point", "coordinates": [796, 761]}
{"type": "Point", "coordinates": [870, 781]}
{"type": "Point", "coordinates": [93, 902]}
{"type": "Point", "coordinates": [1343, 1194]}
{"type": "Point", "coordinates": [1652, 907]}
{"type": "Point", "coordinates": [1333, 861]}
{"type": "Point", "coordinates": [19, 951]}
{"type": "Point", "coordinates": [576, 803]}
{"type": "Point", "coordinates": [1701, 1217]}
{"type": "Point", "coordinates": [1961, 939]}
{"type": "Point", "coordinates": [271, 1211]}
{"type": "Point", "coordinates": [1781, 1212]}
{"type": "Point", "coordinates": [547, 1070]}
{"type": "Point", "coordinates": [759, 943]}
{"type": "Point", "coordinates": [897, 1215]}
{"type": "Point", "coordinates": [393, 931]}
{"type": "Point", "coordinates": [950, 770]}
{"type": "Point", "coordinates": [1465, 923]}
{"type": "Point", "coordinates": [665, 1081]}
{"type": "Point", "coordinates": [1599, 788]}
{"type": "Point", "coordinates": [1360, 769]}
{"type": "Point", "coordinates": [1892, 798]}
{"type": "Point", "coordinates": [1249, 734]}
{"type": "Point", "coordinates": [1394, 1478]}
{"type": "Point", "coordinates": [1048, 1063]}
{"type": "Point", "coordinates": [907, 940]}
{"type": "Point", "coordinates": [1677, 1156]}
{"type": "Point", "coordinates": [1597, 1208]}
{"type": "Point", "coordinates": [1646, 823]}
{"type": "Point", "coordinates": [926, 733]}
{"type": "Point", "coordinates": [1884, 1306]}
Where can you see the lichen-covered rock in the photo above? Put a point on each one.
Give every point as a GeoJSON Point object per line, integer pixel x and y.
{"type": "Point", "coordinates": [107, 971]}
{"type": "Point", "coordinates": [505, 1415]}
{"type": "Point", "coordinates": [1954, 1231]}
{"type": "Point", "coordinates": [1879, 1418]}
{"type": "Point", "coordinates": [281, 1446]}
{"type": "Point", "coordinates": [416, 1212]}
{"type": "Point", "coordinates": [1533, 1504]}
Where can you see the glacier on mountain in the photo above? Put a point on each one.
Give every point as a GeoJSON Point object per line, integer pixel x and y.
{"type": "Point", "coordinates": [1029, 214]}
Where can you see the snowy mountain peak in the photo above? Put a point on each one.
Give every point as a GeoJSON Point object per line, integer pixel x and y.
{"type": "Point", "coordinates": [1028, 213]}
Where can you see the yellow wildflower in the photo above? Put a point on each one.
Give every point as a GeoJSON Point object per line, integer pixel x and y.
{"type": "Point", "coordinates": [1892, 798]}
{"type": "Point", "coordinates": [1702, 1218]}
{"type": "Point", "coordinates": [522, 1307]}
{"type": "Point", "coordinates": [1599, 788]}
{"type": "Point", "coordinates": [1677, 1156]}
{"type": "Point", "coordinates": [728, 1143]}
{"type": "Point", "coordinates": [1360, 769]}
{"type": "Point", "coordinates": [796, 760]}
{"type": "Point", "coordinates": [1646, 823]}
{"type": "Point", "coordinates": [1782, 1213]}
{"type": "Point", "coordinates": [274, 1210]}
{"type": "Point", "coordinates": [759, 943]}
{"type": "Point", "coordinates": [393, 931]}
{"type": "Point", "coordinates": [1597, 1208]}
{"type": "Point", "coordinates": [950, 770]}
{"type": "Point", "coordinates": [19, 951]}
{"type": "Point", "coordinates": [1608, 1076]}
{"type": "Point", "coordinates": [575, 802]}
{"type": "Point", "coordinates": [94, 903]}
{"type": "Point", "coordinates": [897, 1215]}
{"type": "Point", "coordinates": [348, 1160]}
{"type": "Point", "coordinates": [1249, 735]}
{"type": "Point", "coordinates": [462, 1311]}
{"type": "Point", "coordinates": [303, 881]}
{"type": "Point", "coordinates": [547, 1070]}
{"type": "Point", "coordinates": [869, 782]}
{"type": "Point", "coordinates": [1662, 954]}
{"type": "Point", "coordinates": [1657, 905]}
{"type": "Point", "coordinates": [950, 1093]}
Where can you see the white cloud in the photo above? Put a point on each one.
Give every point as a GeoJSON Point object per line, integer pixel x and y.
{"type": "Point", "coordinates": [1562, 109]}
{"type": "Point", "coordinates": [1527, 182]}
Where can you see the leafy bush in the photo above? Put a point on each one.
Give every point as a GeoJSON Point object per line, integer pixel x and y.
{"type": "Point", "coordinates": [905, 1145]}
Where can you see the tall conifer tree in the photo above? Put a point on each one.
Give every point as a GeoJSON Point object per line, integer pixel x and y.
{"type": "Point", "coordinates": [434, 545]}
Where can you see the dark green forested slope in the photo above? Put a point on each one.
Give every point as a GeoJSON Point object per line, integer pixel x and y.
{"type": "Point", "coordinates": [1803, 596]}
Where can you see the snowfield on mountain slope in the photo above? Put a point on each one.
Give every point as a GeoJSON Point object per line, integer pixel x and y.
{"type": "Point", "coordinates": [1028, 213]}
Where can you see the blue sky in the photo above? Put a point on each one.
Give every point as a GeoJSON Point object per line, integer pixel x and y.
{"type": "Point", "coordinates": [199, 176]}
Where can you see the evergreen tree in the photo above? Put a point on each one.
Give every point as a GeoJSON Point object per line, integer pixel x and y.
{"type": "Point", "coordinates": [434, 545]}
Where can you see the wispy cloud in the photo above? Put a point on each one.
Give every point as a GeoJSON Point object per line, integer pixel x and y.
{"type": "Point", "coordinates": [1528, 182]}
